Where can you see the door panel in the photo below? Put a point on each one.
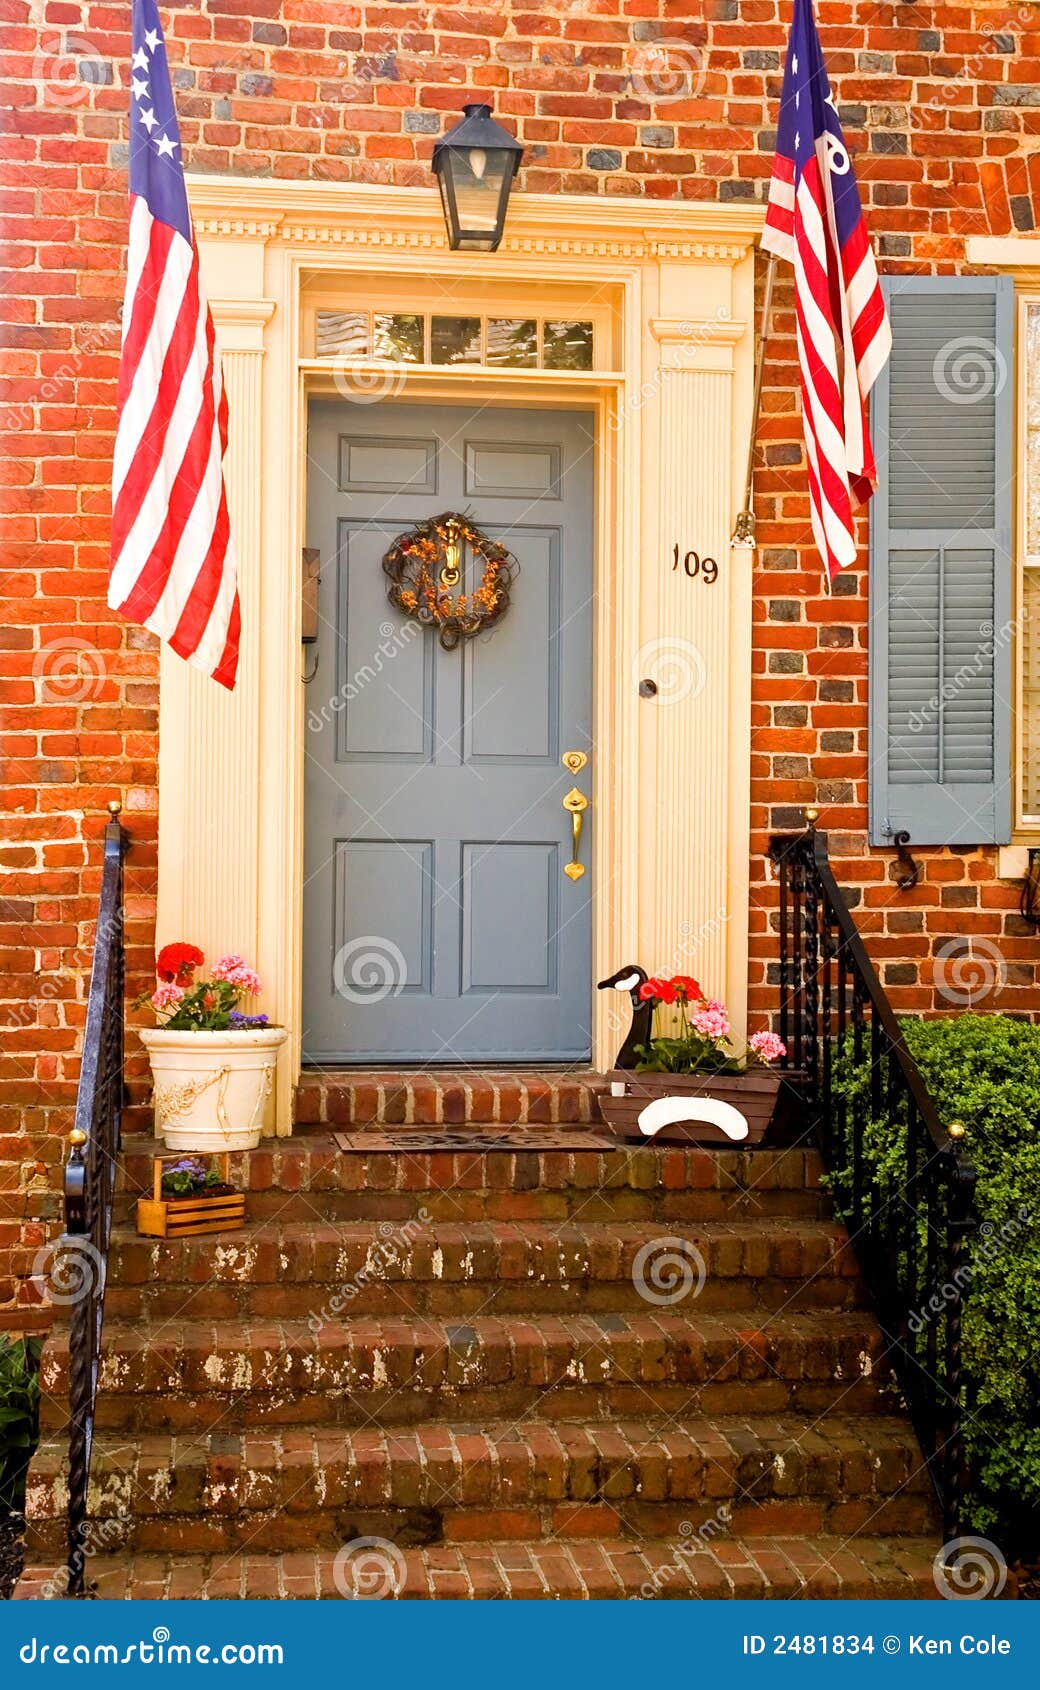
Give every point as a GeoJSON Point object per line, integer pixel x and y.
{"type": "Point", "coordinates": [511, 701]}
{"type": "Point", "coordinates": [439, 925]}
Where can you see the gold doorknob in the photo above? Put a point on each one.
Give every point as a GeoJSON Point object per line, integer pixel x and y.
{"type": "Point", "coordinates": [577, 803]}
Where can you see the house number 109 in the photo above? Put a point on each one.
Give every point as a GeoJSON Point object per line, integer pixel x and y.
{"type": "Point", "coordinates": [695, 565]}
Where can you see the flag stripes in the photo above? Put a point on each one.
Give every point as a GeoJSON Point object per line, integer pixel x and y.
{"type": "Point", "coordinates": [173, 568]}
{"type": "Point", "coordinates": [814, 220]}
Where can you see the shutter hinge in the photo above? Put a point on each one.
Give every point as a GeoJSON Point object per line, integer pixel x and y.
{"type": "Point", "coordinates": [906, 882]}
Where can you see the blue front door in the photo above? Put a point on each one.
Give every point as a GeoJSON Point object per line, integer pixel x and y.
{"type": "Point", "coordinates": [440, 925]}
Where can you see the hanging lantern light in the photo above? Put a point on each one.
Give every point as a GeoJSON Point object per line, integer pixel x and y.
{"type": "Point", "coordinates": [475, 164]}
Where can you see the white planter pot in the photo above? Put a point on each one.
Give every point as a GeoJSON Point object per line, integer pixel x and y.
{"type": "Point", "coordinates": [209, 1089]}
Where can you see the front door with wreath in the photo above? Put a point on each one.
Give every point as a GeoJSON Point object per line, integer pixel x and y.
{"type": "Point", "coordinates": [446, 915]}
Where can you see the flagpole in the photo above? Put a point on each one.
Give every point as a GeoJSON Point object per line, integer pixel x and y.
{"type": "Point", "coordinates": [744, 532]}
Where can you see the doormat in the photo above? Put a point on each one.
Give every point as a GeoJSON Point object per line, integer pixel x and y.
{"type": "Point", "coordinates": [426, 1140]}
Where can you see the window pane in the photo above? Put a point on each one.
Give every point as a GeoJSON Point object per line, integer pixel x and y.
{"type": "Point", "coordinates": [1032, 352]}
{"type": "Point", "coordinates": [342, 334]}
{"type": "Point", "coordinates": [512, 341]}
{"type": "Point", "coordinates": [568, 346]}
{"type": "Point", "coordinates": [455, 340]}
{"type": "Point", "coordinates": [399, 335]}
{"type": "Point", "coordinates": [1030, 724]}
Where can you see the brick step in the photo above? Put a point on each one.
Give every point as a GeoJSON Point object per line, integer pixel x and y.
{"type": "Point", "coordinates": [353, 1097]}
{"type": "Point", "coordinates": [275, 1270]}
{"type": "Point", "coordinates": [726, 1567]}
{"type": "Point", "coordinates": [182, 1376]}
{"type": "Point", "coordinates": [440, 1483]}
{"type": "Point", "coordinates": [308, 1177]}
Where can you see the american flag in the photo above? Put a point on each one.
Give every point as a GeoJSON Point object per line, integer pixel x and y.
{"type": "Point", "coordinates": [814, 219]}
{"type": "Point", "coordinates": [173, 567]}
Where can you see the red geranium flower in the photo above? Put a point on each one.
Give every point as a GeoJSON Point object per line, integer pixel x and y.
{"type": "Point", "coordinates": [178, 962]}
{"type": "Point", "coordinates": [687, 989]}
{"type": "Point", "coordinates": [663, 990]}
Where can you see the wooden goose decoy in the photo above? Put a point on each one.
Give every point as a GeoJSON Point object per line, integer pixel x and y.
{"type": "Point", "coordinates": [629, 979]}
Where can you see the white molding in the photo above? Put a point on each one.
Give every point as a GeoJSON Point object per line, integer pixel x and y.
{"type": "Point", "coordinates": [243, 310]}
{"type": "Point", "coordinates": [713, 329]}
{"type": "Point", "coordinates": [671, 782]}
{"type": "Point", "coordinates": [1004, 252]}
{"type": "Point", "coordinates": [368, 215]}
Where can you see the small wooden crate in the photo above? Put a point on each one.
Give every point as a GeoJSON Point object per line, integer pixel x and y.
{"type": "Point", "coordinates": [185, 1217]}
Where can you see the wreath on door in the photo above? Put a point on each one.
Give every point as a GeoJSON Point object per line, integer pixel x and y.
{"type": "Point", "coordinates": [424, 567]}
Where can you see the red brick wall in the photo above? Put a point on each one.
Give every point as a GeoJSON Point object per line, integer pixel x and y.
{"type": "Point", "coordinates": [942, 107]}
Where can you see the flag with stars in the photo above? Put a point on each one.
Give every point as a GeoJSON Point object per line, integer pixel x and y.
{"type": "Point", "coordinates": [814, 219]}
{"type": "Point", "coordinates": [173, 567]}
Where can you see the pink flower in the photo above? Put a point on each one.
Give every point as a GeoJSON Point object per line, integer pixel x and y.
{"type": "Point", "coordinates": [711, 1021]}
{"type": "Point", "coordinates": [237, 972]}
{"type": "Point", "coordinates": [166, 996]}
{"type": "Point", "coordinates": [769, 1046]}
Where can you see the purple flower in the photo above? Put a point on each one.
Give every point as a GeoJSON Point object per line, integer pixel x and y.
{"type": "Point", "coordinates": [239, 1022]}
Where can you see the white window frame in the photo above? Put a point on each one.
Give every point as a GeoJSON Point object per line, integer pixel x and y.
{"type": "Point", "coordinates": [1027, 825]}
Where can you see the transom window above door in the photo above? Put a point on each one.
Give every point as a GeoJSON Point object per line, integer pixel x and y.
{"type": "Point", "coordinates": [436, 323]}
{"type": "Point", "coordinates": [441, 338]}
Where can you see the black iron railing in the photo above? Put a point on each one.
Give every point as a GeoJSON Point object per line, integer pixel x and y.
{"type": "Point", "coordinates": [89, 1184]}
{"type": "Point", "coordinates": [910, 1224]}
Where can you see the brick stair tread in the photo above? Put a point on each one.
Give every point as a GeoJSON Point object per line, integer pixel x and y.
{"type": "Point", "coordinates": [726, 1567]}
{"type": "Point", "coordinates": [653, 1326]}
{"type": "Point", "coordinates": [269, 1251]}
{"type": "Point", "coordinates": [287, 1163]}
{"type": "Point", "coordinates": [184, 1375]}
{"type": "Point", "coordinates": [446, 1096]}
{"type": "Point", "coordinates": [502, 1462]}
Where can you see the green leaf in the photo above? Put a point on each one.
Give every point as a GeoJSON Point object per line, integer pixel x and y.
{"type": "Point", "coordinates": [985, 1071]}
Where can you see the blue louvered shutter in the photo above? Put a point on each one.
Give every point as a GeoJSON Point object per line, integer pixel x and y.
{"type": "Point", "coordinates": [940, 565]}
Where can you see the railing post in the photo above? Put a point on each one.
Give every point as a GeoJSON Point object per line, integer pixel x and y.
{"type": "Point", "coordinates": [89, 1182]}
{"type": "Point", "coordinates": [811, 971]}
{"type": "Point", "coordinates": [937, 1192]}
{"type": "Point", "coordinates": [959, 1227]}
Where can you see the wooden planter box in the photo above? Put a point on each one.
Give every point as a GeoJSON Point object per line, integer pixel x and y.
{"type": "Point", "coordinates": [218, 1210]}
{"type": "Point", "coordinates": [755, 1094]}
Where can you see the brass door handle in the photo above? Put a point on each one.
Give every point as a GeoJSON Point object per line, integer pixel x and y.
{"type": "Point", "coordinates": [577, 803]}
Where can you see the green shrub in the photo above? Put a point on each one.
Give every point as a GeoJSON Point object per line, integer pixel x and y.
{"type": "Point", "coordinates": [985, 1071]}
{"type": "Point", "coordinates": [19, 1417]}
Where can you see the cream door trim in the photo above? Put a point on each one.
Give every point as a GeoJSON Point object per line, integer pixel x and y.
{"type": "Point", "coordinates": [671, 807]}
